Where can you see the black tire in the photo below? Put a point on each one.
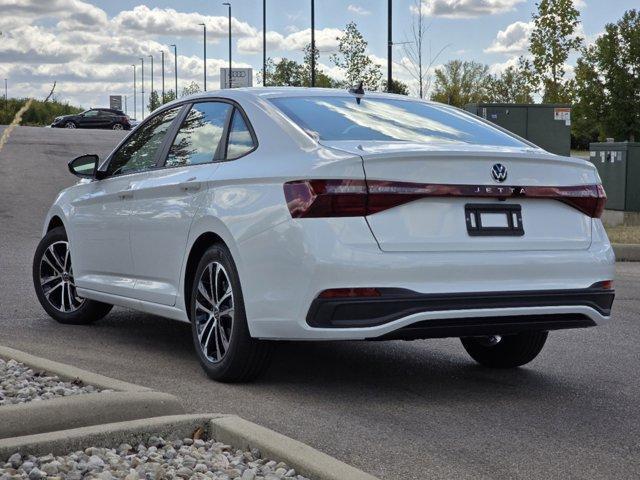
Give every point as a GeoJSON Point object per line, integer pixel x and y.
{"type": "Point", "coordinates": [117, 126]}
{"type": "Point", "coordinates": [71, 125]}
{"type": "Point", "coordinates": [88, 311]}
{"type": "Point", "coordinates": [245, 358]}
{"type": "Point", "coordinates": [510, 352]}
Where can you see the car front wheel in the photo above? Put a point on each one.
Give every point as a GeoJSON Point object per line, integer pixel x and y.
{"type": "Point", "coordinates": [508, 351]}
{"type": "Point", "coordinates": [70, 125]}
{"type": "Point", "coordinates": [55, 285]}
{"type": "Point", "coordinates": [226, 350]}
{"type": "Point", "coordinates": [117, 126]}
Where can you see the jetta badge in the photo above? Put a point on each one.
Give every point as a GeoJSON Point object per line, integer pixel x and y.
{"type": "Point", "coordinates": [499, 172]}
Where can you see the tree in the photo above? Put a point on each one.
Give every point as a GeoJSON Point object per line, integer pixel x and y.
{"type": "Point", "coordinates": [293, 74]}
{"type": "Point", "coordinates": [396, 87]}
{"type": "Point", "coordinates": [414, 51]}
{"type": "Point", "coordinates": [352, 57]}
{"type": "Point", "coordinates": [322, 79]}
{"type": "Point", "coordinates": [589, 100]}
{"type": "Point", "coordinates": [618, 62]}
{"type": "Point", "coordinates": [190, 89]}
{"type": "Point", "coordinates": [154, 101]}
{"type": "Point", "coordinates": [284, 73]}
{"type": "Point", "coordinates": [169, 96]}
{"type": "Point", "coordinates": [553, 39]}
{"type": "Point", "coordinates": [511, 86]}
{"type": "Point", "coordinates": [459, 83]}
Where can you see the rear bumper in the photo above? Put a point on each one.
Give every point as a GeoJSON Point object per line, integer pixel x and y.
{"type": "Point", "coordinates": [396, 304]}
{"type": "Point", "coordinates": [340, 253]}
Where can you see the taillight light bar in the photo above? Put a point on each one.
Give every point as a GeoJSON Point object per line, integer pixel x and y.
{"type": "Point", "coordinates": [359, 198]}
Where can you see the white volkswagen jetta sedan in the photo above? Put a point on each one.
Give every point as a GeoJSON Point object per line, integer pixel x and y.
{"type": "Point", "coordinates": [313, 214]}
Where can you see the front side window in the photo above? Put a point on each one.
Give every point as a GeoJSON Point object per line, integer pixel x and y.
{"type": "Point", "coordinates": [199, 138]}
{"type": "Point", "coordinates": [140, 150]}
{"type": "Point", "coordinates": [91, 113]}
{"type": "Point", "coordinates": [240, 139]}
{"type": "Point", "coordinates": [386, 119]}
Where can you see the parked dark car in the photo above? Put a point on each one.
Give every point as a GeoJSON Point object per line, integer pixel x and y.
{"type": "Point", "coordinates": [95, 118]}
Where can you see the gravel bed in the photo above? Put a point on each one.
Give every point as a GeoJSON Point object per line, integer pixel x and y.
{"type": "Point", "coordinates": [155, 460]}
{"type": "Point", "coordinates": [20, 384]}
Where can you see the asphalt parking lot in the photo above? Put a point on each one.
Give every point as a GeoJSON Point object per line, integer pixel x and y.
{"type": "Point", "coordinates": [399, 410]}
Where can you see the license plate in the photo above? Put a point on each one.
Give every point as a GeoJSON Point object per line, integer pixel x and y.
{"type": "Point", "coordinates": [487, 220]}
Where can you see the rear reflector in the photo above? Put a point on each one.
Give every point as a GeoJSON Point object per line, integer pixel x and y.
{"type": "Point", "coordinates": [359, 198]}
{"type": "Point", "coordinates": [350, 293]}
{"type": "Point", "coordinates": [605, 285]}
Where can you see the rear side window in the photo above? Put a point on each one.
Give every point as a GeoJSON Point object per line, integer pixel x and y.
{"type": "Point", "coordinates": [385, 119]}
{"type": "Point", "coordinates": [140, 150]}
{"type": "Point", "coordinates": [200, 135]}
{"type": "Point", "coordinates": [240, 139]}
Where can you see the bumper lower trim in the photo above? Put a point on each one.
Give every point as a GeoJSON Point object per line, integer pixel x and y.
{"type": "Point", "coordinates": [394, 304]}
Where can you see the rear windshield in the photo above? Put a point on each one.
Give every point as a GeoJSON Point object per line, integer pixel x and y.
{"type": "Point", "coordinates": [342, 118]}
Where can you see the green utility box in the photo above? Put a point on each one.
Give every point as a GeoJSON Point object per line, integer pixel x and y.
{"type": "Point", "coordinates": [618, 164]}
{"type": "Point", "coordinates": [547, 125]}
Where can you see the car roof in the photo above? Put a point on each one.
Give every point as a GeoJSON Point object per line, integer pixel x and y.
{"type": "Point", "coordinates": [276, 92]}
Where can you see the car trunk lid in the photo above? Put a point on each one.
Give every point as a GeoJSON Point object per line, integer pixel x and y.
{"type": "Point", "coordinates": [463, 174]}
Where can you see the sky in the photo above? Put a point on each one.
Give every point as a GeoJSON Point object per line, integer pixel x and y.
{"type": "Point", "coordinates": [88, 46]}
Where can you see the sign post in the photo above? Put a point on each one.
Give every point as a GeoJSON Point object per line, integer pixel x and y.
{"type": "Point", "coordinates": [240, 77]}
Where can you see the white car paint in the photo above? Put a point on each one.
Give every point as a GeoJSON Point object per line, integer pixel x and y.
{"type": "Point", "coordinates": [131, 235]}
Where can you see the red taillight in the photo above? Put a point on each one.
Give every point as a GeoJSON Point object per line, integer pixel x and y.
{"type": "Point", "coordinates": [604, 285]}
{"type": "Point", "coordinates": [349, 293]}
{"type": "Point", "coordinates": [358, 198]}
{"type": "Point", "coordinates": [326, 198]}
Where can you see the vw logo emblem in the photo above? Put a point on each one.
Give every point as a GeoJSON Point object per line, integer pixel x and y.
{"type": "Point", "coordinates": [499, 172]}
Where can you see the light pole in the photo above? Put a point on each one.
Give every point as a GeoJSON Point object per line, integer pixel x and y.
{"type": "Point", "coordinates": [135, 94]}
{"type": "Point", "coordinates": [151, 94]}
{"type": "Point", "coordinates": [204, 29]}
{"type": "Point", "coordinates": [6, 96]}
{"type": "Point", "coordinates": [229, 5]}
{"type": "Point", "coordinates": [264, 43]}
{"type": "Point", "coordinates": [313, 43]}
{"type": "Point", "coordinates": [175, 68]}
{"type": "Point", "coordinates": [163, 99]}
{"type": "Point", "coordinates": [126, 110]}
{"type": "Point", "coordinates": [142, 81]}
{"type": "Point", "coordinates": [390, 44]}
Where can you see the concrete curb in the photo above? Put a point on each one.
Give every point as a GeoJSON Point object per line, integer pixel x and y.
{"type": "Point", "coordinates": [307, 461]}
{"type": "Point", "coordinates": [627, 252]}
{"type": "Point", "coordinates": [228, 429]}
{"type": "Point", "coordinates": [108, 435]}
{"type": "Point", "coordinates": [67, 372]}
{"type": "Point", "coordinates": [127, 401]}
{"type": "Point", "coordinates": [83, 410]}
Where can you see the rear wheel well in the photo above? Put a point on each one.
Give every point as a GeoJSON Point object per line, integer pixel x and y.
{"type": "Point", "coordinates": [55, 222]}
{"type": "Point", "coordinates": [202, 243]}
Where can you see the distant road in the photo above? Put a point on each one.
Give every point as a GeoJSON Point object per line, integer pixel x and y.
{"type": "Point", "coordinates": [400, 410]}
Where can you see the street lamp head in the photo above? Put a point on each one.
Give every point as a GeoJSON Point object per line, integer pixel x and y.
{"type": "Point", "coordinates": [227, 4]}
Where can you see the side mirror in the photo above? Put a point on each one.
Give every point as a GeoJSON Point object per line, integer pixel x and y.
{"type": "Point", "coordinates": [84, 166]}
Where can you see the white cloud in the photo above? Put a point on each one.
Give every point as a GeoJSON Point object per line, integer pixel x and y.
{"type": "Point", "coordinates": [326, 41]}
{"type": "Point", "coordinates": [513, 39]}
{"type": "Point", "coordinates": [466, 8]}
{"type": "Point", "coordinates": [358, 10]}
{"type": "Point", "coordinates": [167, 21]}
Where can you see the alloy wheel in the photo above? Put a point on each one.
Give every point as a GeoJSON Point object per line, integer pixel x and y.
{"type": "Point", "coordinates": [70, 125]}
{"type": "Point", "coordinates": [56, 278]}
{"type": "Point", "coordinates": [214, 311]}
{"type": "Point", "coordinates": [117, 126]}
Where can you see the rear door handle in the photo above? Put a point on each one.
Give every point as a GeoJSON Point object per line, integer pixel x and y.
{"type": "Point", "coordinates": [190, 186]}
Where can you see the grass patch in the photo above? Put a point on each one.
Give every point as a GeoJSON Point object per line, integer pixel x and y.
{"type": "Point", "coordinates": [584, 154]}
{"type": "Point", "coordinates": [624, 234]}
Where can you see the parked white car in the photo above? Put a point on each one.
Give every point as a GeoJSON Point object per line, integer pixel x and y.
{"type": "Point", "coordinates": [312, 214]}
